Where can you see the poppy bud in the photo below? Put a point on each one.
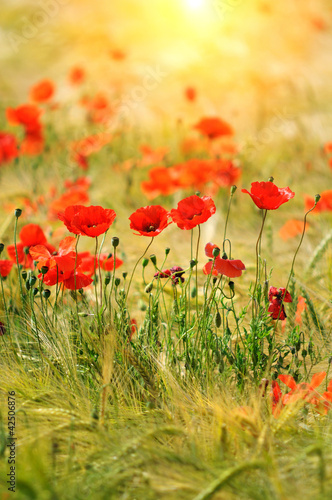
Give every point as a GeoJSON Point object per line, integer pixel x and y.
{"type": "Point", "coordinates": [193, 263]}
{"type": "Point", "coordinates": [153, 259]}
{"type": "Point", "coordinates": [109, 256]}
{"type": "Point", "coordinates": [34, 291]}
{"type": "Point", "coordinates": [117, 281]}
{"type": "Point", "coordinates": [271, 179]}
{"type": "Point", "coordinates": [26, 250]}
{"type": "Point", "coordinates": [107, 280]}
{"type": "Point", "coordinates": [145, 262]}
{"type": "Point", "coordinates": [124, 275]}
{"type": "Point", "coordinates": [214, 279]}
{"type": "Point", "coordinates": [27, 285]}
{"type": "Point", "coordinates": [224, 256]}
{"type": "Point", "coordinates": [46, 293]}
{"type": "Point", "coordinates": [217, 319]}
{"type": "Point", "coordinates": [18, 213]}
{"type": "Point", "coordinates": [81, 291]}
{"type": "Point", "coordinates": [293, 350]}
{"type": "Point", "coordinates": [24, 275]}
{"type": "Point", "coordinates": [149, 287]}
{"type": "Point", "coordinates": [198, 193]}
{"type": "Point", "coordinates": [32, 280]}
{"type": "Point", "coordinates": [233, 189]}
{"type": "Point", "coordinates": [216, 252]}
{"type": "Point", "coordinates": [193, 292]}
{"type": "Point", "coordinates": [317, 198]}
{"type": "Point", "coordinates": [167, 250]}
{"type": "Point", "coordinates": [44, 270]}
{"type": "Point", "coordinates": [304, 353]}
{"type": "Point", "coordinates": [115, 241]}
{"type": "Point", "coordinates": [231, 285]}
{"type": "Point", "coordinates": [2, 246]}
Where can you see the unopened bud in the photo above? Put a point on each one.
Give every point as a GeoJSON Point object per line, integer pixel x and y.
{"type": "Point", "coordinates": [145, 262]}
{"type": "Point", "coordinates": [117, 281]}
{"type": "Point", "coordinates": [224, 256]}
{"type": "Point", "coordinates": [217, 319]}
{"type": "Point", "coordinates": [32, 280]}
{"type": "Point", "coordinates": [270, 179]}
{"type": "Point", "coordinates": [44, 270]}
{"type": "Point", "coordinates": [231, 285]}
{"type": "Point", "coordinates": [233, 189]}
{"type": "Point", "coordinates": [317, 198]}
{"type": "Point", "coordinates": [107, 280]}
{"type": "Point", "coordinates": [216, 252]}
{"type": "Point", "coordinates": [35, 291]}
{"type": "Point", "coordinates": [18, 213]}
{"type": "Point", "coordinates": [197, 193]}
{"type": "Point", "coordinates": [2, 246]}
{"type": "Point", "coordinates": [46, 293]}
{"type": "Point", "coordinates": [26, 250]}
{"type": "Point", "coordinates": [167, 250]}
{"type": "Point", "coordinates": [153, 259]}
{"type": "Point", "coordinates": [149, 287]}
{"type": "Point", "coordinates": [124, 275]}
{"type": "Point", "coordinates": [193, 292]}
{"type": "Point", "coordinates": [115, 241]}
{"type": "Point", "coordinates": [24, 275]}
{"type": "Point", "coordinates": [193, 263]}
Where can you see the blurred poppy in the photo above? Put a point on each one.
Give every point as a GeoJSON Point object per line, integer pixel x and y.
{"type": "Point", "coordinates": [190, 94]}
{"type": "Point", "coordinates": [85, 147]}
{"type": "Point", "coordinates": [42, 91]}
{"type": "Point", "coordinates": [303, 390]}
{"type": "Point", "coordinates": [88, 221]}
{"type": "Point", "coordinates": [5, 267]}
{"type": "Point", "coordinates": [324, 205]}
{"type": "Point", "coordinates": [71, 197]}
{"type": "Point", "coordinates": [213, 127]}
{"type": "Point", "coordinates": [151, 156]}
{"type": "Point", "coordinates": [117, 54]}
{"type": "Point", "coordinates": [149, 220]}
{"type": "Point", "coordinates": [193, 211]}
{"type": "Point", "coordinates": [268, 196]}
{"type": "Point", "coordinates": [301, 306]}
{"type": "Point", "coordinates": [8, 147]}
{"type": "Point", "coordinates": [26, 115]}
{"type": "Point", "coordinates": [163, 181]}
{"type": "Point", "coordinates": [292, 228]}
{"type": "Point", "coordinates": [76, 75]}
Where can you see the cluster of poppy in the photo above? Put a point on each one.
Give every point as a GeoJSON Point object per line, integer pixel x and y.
{"type": "Point", "coordinates": [303, 391]}
{"type": "Point", "coordinates": [277, 297]}
{"type": "Point", "coordinates": [8, 147]}
{"type": "Point", "coordinates": [84, 148]}
{"type": "Point", "coordinates": [28, 116]}
{"type": "Point", "coordinates": [175, 273]}
{"type": "Point", "coordinates": [194, 173]}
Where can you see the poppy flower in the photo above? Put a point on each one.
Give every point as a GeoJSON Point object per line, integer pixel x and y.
{"type": "Point", "coordinates": [190, 94]}
{"type": "Point", "coordinates": [292, 228]}
{"type": "Point", "coordinates": [324, 205]}
{"type": "Point", "coordinates": [64, 259]}
{"type": "Point", "coordinates": [89, 263]}
{"type": "Point", "coordinates": [276, 398]}
{"type": "Point", "coordinates": [117, 54]}
{"type": "Point", "coordinates": [301, 306]}
{"type": "Point", "coordinates": [30, 235]}
{"type": "Point", "coordinates": [76, 75]}
{"type": "Point", "coordinates": [99, 108]}
{"type": "Point", "coordinates": [163, 181]}
{"type": "Point", "coordinates": [192, 211]}
{"type": "Point", "coordinates": [227, 267]}
{"type": "Point", "coordinates": [149, 220]}
{"type": "Point", "coordinates": [32, 144]}
{"type": "Point", "coordinates": [42, 91]}
{"type": "Point", "coordinates": [26, 115]}
{"type": "Point", "coordinates": [5, 267]}
{"type": "Point", "coordinates": [213, 127]}
{"type": "Point", "coordinates": [268, 196]}
{"type": "Point", "coordinates": [8, 147]}
{"type": "Point", "coordinates": [303, 390]}
{"type": "Point", "coordinates": [277, 296]}
{"type": "Point", "coordinates": [71, 197]}
{"type": "Point", "coordinates": [175, 273]}
{"type": "Point", "coordinates": [88, 221]}
{"type": "Point", "coordinates": [82, 149]}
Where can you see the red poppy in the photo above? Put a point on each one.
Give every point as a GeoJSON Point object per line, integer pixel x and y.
{"type": "Point", "coordinates": [175, 273]}
{"type": "Point", "coordinates": [89, 263]}
{"type": "Point", "coordinates": [71, 197]}
{"type": "Point", "coordinates": [8, 147]}
{"type": "Point", "coordinates": [279, 293]}
{"type": "Point", "coordinates": [227, 267]}
{"type": "Point", "coordinates": [64, 259]}
{"type": "Point", "coordinates": [268, 196]}
{"type": "Point", "coordinates": [27, 115]}
{"type": "Point", "coordinates": [149, 220]}
{"type": "Point", "coordinates": [5, 267]}
{"type": "Point", "coordinates": [277, 296]}
{"type": "Point", "coordinates": [88, 221]}
{"type": "Point", "coordinates": [76, 75]}
{"type": "Point", "coordinates": [214, 127]}
{"type": "Point", "coordinates": [324, 205]}
{"type": "Point", "coordinates": [163, 180]}
{"type": "Point", "coordinates": [30, 235]}
{"type": "Point", "coordinates": [276, 398]}
{"type": "Point", "coordinates": [192, 211]}
{"type": "Point", "coordinates": [85, 147]}
{"type": "Point", "coordinates": [303, 390]}
{"type": "Point", "coordinates": [190, 93]}
{"type": "Point", "coordinates": [151, 156]}
{"type": "Point", "coordinates": [301, 306]}
{"type": "Point", "coordinates": [99, 108]}
{"type": "Point", "coordinates": [32, 144]}
{"type": "Point", "coordinates": [42, 91]}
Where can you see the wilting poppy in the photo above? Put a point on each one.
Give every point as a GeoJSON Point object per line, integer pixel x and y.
{"type": "Point", "coordinates": [268, 196]}
{"type": "Point", "coordinates": [175, 273]}
{"type": "Point", "coordinates": [8, 147]}
{"type": "Point", "coordinates": [42, 91]}
{"type": "Point", "coordinates": [5, 267]}
{"type": "Point", "coordinates": [88, 221]}
{"type": "Point", "coordinates": [213, 127]}
{"type": "Point", "coordinates": [149, 220]}
{"type": "Point", "coordinates": [192, 211]}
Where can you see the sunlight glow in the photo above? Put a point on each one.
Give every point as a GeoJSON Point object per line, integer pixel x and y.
{"type": "Point", "coordinates": [195, 4]}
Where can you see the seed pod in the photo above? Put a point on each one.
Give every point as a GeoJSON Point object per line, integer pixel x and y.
{"type": "Point", "coordinates": [115, 241]}
{"type": "Point", "coordinates": [193, 292]}
{"type": "Point", "coordinates": [18, 213]}
{"type": "Point", "coordinates": [217, 319]}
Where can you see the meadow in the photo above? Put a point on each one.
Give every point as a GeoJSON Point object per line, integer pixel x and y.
{"type": "Point", "coordinates": [165, 250]}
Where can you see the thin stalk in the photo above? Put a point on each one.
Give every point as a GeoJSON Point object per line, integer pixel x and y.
{"type": "Point", "coordinates": [132, 274]}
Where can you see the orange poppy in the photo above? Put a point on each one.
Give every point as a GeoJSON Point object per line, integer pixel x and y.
{"type": "Point", "coordinates": [292, 228]}
{"type": "Point", "coordinates": [213, 127]}
{"type": "Point", "coordinates": [42, 91]}
{"type": "Point", "coordinates": [76, 75]}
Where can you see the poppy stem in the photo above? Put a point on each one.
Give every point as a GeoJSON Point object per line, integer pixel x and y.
{"type": "Point", "coordinates": [17, 262]}
{"type": "Point", "coordinates": [75, 267]}
{"type": "Point", "coordinates": [132, 274]}
{"type": "Point", "coordinates": [196, 270]}
{"type": "Point", "coordinates": [4, 304]}
{"type": "Point", "coordinates": [99, 268]}
{"type": "Point", "coordinates": [233, 189]}
{"type": "Point", "coordinates": [258, 255]}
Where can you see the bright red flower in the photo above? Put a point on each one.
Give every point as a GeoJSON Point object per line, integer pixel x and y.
{"type": "Point", "coordinates": [303, 390]}
{"type": "Point", "coordinates": [64, 259]}
{"type": "Point", "coordinates": [89, 263]}
{"type": "Point", "coordinates": [27, 115]}
{"type": "Point", "coordinates": [163, 180]}
{"type": "Point", "coordinates": [30, 235]}
{"type": "Point", "coordinates": [88, 221]}
{"type": "Point", "coordinates": [276, 398]}
{"type": "Point", "coordinates": [227, 267]}
{"type": "Point", "coordinates": [5, 267]}
{"type": "Point", "coordinates": [214, 127]}
{"type": "Point", "coordinates": [192, 211]}
{"type": "Point", "coordinates": [268, 196]}
{"type": "Point", "coordinates": [42, 91]}
{"type": "Point", "coordinates": [149, 220]}
{"type": "Point", "coordinates": [279, 293]}
{"type": "Point", "coordinates": [71, 197]}
{"type": "Point", "coordinates": [32, 144]}
{"type": "Point", "coordinates": [8, 147]}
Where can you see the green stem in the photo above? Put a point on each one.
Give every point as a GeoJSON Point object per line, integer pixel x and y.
{"type": "Point", "coordinates": [132, 274]}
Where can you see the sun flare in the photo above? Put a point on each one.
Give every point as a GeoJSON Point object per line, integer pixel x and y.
{"type": "Point", "coordinates": [195, 4]}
